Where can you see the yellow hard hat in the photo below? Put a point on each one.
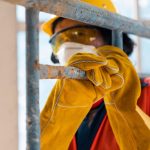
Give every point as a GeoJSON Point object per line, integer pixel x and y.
{"type": "Point", "coordinates": [104, 4]}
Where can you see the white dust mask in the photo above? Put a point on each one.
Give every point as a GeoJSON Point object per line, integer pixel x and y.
{"type": "Point", "coordinates": [68, 49]}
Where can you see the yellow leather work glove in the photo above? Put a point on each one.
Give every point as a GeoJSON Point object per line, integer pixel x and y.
{"type": "Point", "coordinates": [110, 75]}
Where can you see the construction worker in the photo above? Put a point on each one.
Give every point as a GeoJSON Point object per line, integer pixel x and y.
{"type": "Point", "coordinates": [93, 128]}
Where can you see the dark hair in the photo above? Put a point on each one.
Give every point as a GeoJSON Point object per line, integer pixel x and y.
{"type": "Point", "coordinates": [128, 44]}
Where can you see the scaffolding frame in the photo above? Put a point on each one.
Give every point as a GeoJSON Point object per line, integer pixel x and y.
{"type": "Point", "coordinates": [72, 9]}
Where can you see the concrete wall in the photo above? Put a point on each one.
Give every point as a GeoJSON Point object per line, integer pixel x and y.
{"type": "Point", "coordinates": [8, 78]}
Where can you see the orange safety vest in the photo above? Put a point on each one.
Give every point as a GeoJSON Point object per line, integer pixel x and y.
{"type": "Point", "coordinates": [104, 139]}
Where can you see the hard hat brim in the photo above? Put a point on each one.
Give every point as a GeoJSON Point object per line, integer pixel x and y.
{"type": "Point", "coordinates": [48, 26]}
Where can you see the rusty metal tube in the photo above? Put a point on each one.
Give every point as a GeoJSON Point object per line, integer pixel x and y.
{"type": "Point", "coordinates": [32, 80]}
{"type": "Point", "coordinates": [117, 38]}
{"type": "Point", "coordinates": [60, 72]}
{"type": "Point", "coordinates": [77, 10]}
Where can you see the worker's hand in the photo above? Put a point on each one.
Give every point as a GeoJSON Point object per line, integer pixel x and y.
{"type": "Point", "coordinates": [109, 71]}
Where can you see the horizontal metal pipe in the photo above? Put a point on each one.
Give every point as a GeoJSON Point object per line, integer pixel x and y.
{"type": "Point", "coordinates": [60, 72]}
{"type": "Point", "coordinates": [77, 10]}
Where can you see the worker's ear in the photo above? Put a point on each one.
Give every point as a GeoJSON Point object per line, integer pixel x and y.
{"type": "Point", "coordinates": [54, 58]}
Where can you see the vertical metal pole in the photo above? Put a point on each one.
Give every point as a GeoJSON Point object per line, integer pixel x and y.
{"type": "Point", "coordinates": [117, 38]}
{"type": "Point", "coordinates": [138, 52]}
{"type": "Point", "coordinates": [32, 59]}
